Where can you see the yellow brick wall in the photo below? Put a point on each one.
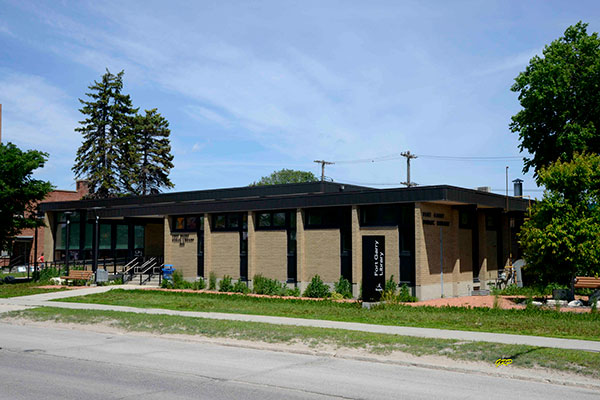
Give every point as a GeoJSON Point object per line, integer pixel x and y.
{"type": "Point", "coordinates": [225, 254]}
{"type": "Point", "coordinates": [357, 247]}
{"type": "Point", "coordinates": [181, 253]}
{"type": "Point", "coordinates": [322, 254]}
{"type": "Point", "coordinates": [427, 250]}
{"type": "Point", "coordinates": [270, 254]}
{"type": "Point", "coordinates": [300, 247]}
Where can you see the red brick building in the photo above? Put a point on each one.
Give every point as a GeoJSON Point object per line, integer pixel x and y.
{"type": "Point", "coordinates": [23, 246]}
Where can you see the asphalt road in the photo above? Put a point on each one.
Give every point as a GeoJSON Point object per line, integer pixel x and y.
{"type": "Point", "coordinates": [49, 363]}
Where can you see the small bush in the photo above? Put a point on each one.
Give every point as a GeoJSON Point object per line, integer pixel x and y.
{"type": "Point", "coordinates": [199, 284]}
{"type": "Point", "coordinates": [337, 296]}
{"type": "Point", "coordinates": [316, 288]}
{"type": "Point", "coordinates": [390, 285]}
{"type": "Point", "coordinates": [295, 292]}
{"type": "Point", "coordinates": [405, 296]}
{"type": "Point", "coordinates": [240, 287]}
{"type": "Point", "coordinates": [179, 282]}
{"type": "Point", "coordinates": [343, 287]}
{"type": "Point", "coordinates": [272, 287]}
{"type": "Point", "coordinates": [212, 281]}
{"type": "Point", "coordinates": [225, 284]}
{"type": "Point", "coordinates": [45, 274]}
{"type": "Point", "coordinates": [166, 284]}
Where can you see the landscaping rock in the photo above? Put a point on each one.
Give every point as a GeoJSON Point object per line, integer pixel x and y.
{"type": "Point", "coordinates": [575, 303]}
{"type": "Point", "coordinates": [553, 303]}
{"type": "Point", "coordinates": [536, 303]}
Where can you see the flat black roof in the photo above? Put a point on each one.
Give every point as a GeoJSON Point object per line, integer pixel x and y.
{"type": "Point", "coordinates": [279, 197]}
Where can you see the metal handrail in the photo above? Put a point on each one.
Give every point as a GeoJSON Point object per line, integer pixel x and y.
{"type": "Point", "coordinates": [145, 264]}
{"type": "Point", "coordinates": [129, 269]}
{"type": "Point", "coordinates": [151, 274]}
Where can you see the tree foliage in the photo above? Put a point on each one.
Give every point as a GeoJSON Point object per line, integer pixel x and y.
{"type": "Point", "coordinates": [559, 96]}
{"type": "Point", "coordinates": [122, 152]}
{"type": "Point", "coordinates": [106, 149]}
{"type": "Point", "coordinates": [19, 192]}
{"type": "Point", "coordinates": [562, 238]}
{"type": "Point", "coordinates": [286, 176]}
{"type": "Point", "coordinates": [154, 159]}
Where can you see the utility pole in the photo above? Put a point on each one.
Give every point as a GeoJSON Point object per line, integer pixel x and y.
{"type": "Point", "coordinates": [409, 156]}
{"type": "Point", "coordinates": [323, 163]}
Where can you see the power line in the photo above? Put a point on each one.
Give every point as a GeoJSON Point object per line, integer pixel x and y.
{"type": "Point", "coordinates": [398, 156]}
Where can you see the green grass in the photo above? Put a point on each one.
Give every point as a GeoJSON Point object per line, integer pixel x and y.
{"type": "Point", "coordinates": [24, 289]}
{"type": "Point", "coordinates": [526, 322]}
{"type": "Point", "coordinates": [581, 362]}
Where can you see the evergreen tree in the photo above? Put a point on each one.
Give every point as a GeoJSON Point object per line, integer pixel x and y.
{"type": "Point", "coordinates": [108, 149]}
{"type": "Point", "coordinates": [154, 158]}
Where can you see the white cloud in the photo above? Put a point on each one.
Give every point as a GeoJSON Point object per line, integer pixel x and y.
{"type": "Point", "coordinates": [203, 113]}
{"type": "Point", "coordinates": [36, 115]}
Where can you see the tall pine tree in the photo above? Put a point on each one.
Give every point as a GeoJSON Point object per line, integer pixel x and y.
{"type": "Point", "coordinates": [105, 155]}
{"type": "Point", "coordinates": [154, 153]}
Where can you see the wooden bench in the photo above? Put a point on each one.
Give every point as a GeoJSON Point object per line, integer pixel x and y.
{"type": "Point", "coordinates": [589, 282]}
{"type": "Point", "coordinates": [78, 275]}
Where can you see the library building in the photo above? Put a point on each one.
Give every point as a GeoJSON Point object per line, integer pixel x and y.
{"type": "Point", "coordinates": [438, 240]}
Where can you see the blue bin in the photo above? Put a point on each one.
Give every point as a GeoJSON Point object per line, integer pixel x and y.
{"type": "Point", "coordinates": [168, 271]}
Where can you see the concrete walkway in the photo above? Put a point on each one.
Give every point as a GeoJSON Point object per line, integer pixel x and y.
{"type": "Point", "coordinates": [44, 300]}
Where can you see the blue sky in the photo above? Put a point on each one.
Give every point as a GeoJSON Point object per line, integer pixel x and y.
{"type": "Point", "coordinates": [250, 87]}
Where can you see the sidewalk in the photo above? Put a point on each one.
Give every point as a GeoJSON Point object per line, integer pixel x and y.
{"type": "Point", "coordinates": [44, 300]}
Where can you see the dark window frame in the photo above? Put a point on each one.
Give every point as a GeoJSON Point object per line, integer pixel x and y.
{"type": "Point", "coordinates": [379, 210]}
{"type": "Point", "coordinates": [337, 222]}
{"type": "Point", "coordinates": [287, 224]}
{"type": "Point", "coordinates": [228, 228]}
{"type": "Point", "coordinates": [199, 226]}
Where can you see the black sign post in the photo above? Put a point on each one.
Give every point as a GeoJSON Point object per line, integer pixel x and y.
{"type": "Point", "coordinates": [373, 267]}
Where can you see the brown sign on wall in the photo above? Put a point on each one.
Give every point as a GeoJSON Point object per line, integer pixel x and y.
{"type": "Point", "coordinates": [182, 238]}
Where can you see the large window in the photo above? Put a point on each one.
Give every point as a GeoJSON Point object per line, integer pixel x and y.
{"type": "Point", "coordinates": [322, 218]}
{"type": "Point", "coordinates": [275, 220]}
{"type": "Point", "coordinates": [380, 215]}
{"type": "Point", "coordinates": [230, 222]}
{"type": "Point", "coordinates": [187, 223]}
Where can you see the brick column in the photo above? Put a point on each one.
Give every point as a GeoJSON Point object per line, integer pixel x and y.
{"type": "Point", "coordinates": [251, 248]}
{"type": "Point", "coordinates": [300, 250]}
{"type": "Point", "coordinates": [207, 246]}
{"type": "Point", "coordinates": [356, 252]}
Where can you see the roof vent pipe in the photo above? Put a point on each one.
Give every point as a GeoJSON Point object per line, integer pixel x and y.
{"type": "Point", "coordinates": [518, 187]}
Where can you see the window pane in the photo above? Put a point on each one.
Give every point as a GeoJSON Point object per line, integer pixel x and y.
{"type": "Point", "coordinates": [74, 230]}
{"type": "Point", "coordinates": [61, 236]}
{"type": "Point", "coordinates": [314, 218]}
{"type": "Point", "coordinates": [138, 237]}
{"type": "Point", "coordinates": [279, 219]}
{"type": "Point", "coordinates": [122, 237]}
{"type": "Point", "coordinates": [104, 237]}
{"type": "Point", "coordinates": [191, 223]}
{"type": "Point", "coordinates": [292, 216]}
{"type": "Point", "coordinates": [201, 222]}
{"type": "Point", "coordinates": [245, 221]}
{"type": "Point", "coordinates": [233, 221]}
{"type": "Point", "coordinates": [264, 219]}
{"type": "Point", "coordinates": [89, 235]}
{"type": "Point", "coordinates": [220, 221]}
{"type": "Point", "coordinates": [180, 223]}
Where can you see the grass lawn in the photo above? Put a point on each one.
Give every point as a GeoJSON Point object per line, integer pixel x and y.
{"type": "Point", "coordinates": [24, 289]}
{"type": "Point", "coordinates": [526, 322]}
{"type": "Point", "coordinates": [581, 362]}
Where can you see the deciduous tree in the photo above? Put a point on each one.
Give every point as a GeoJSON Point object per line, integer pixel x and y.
{"type": "Point", "coordinates": [559, 96]}
{"type": "Point", "coordinates": [286, 176]}
{"type": "Point", "coordinates": [19, 192]}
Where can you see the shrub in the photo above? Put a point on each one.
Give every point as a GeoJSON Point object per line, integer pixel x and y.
{"type": "Point", "coordinates": [199, 284]}
{"type": "Point", "coordinates": [390, 285]}
{"type": "Point", "coordinates": [273, 287]}
{"type": "Point", "coordinates": [45, 274]}
{"type": "Point", "coordinates": [225, 284]}
{"type": "Point", "coordinates": [295, 292]}
{"type": "Point", "coordinates": [166, 284]}
{"type": "Point", "coordinates": [316, 288]}
{"type": "Point", "coordinates": [212, 281]}
{"type": "Point", "coordinates": [240, 287]}
{"type": "Point", "coordinates": [405, 296]}
{"type": "Point", "coordinates": [337, 296]}
{"type": "Point", "coordinates": [343, 287]}
{"type": "Point", "coordinates": [179, 282]}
